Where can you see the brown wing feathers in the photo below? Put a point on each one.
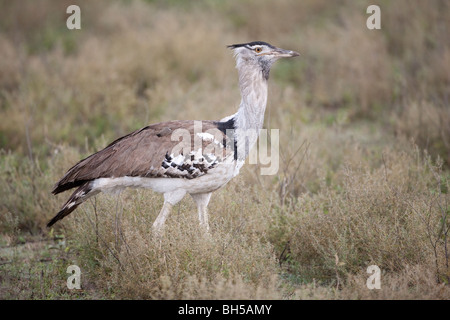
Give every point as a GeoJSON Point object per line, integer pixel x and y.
{"type": "Point", "coordinates": [140, 153]}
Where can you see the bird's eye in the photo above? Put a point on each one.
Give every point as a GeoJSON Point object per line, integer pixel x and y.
{"type": "Point", "coordinates": [258, 49]}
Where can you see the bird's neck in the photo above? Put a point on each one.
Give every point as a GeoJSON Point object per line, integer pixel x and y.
{"type": "Point", "coordinates": [250, 117]}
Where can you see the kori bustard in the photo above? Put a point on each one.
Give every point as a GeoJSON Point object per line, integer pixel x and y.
{"type": "Point", "coordinates": [181, 156]}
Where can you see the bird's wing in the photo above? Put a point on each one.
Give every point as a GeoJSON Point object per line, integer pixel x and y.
{"type": "Point", "coordinates": [175, 149]}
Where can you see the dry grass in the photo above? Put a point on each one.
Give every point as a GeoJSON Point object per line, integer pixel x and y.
{"type": "Point", "coordinates": [352, 190]}
{"type": "Point", "coordinates": [379, 215]}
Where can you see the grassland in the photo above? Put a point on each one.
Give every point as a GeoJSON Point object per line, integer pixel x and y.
{"type": "Point", "coordinates": [364, 121]}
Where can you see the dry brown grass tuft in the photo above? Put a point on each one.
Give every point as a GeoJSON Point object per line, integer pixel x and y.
{"type": "Point", "coordinates": [413, 283]}
{"type": "Point", "coordinates": [427, 123]}
{"type": "Point", "coordinates": [394, 215]}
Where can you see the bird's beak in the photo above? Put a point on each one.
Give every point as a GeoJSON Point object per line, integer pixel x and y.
{"type": "Point", "coordinates": [282, 53]}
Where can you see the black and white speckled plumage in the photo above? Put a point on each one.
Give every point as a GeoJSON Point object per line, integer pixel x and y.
{"type": "Point", "coordinates": [188, 167]}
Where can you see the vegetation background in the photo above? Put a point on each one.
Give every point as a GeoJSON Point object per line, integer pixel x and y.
{"type": "Point", "coordinates": [364, 121]}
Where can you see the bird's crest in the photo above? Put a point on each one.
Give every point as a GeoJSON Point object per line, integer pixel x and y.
{"type": "Point", "coordinates": [250, 44]}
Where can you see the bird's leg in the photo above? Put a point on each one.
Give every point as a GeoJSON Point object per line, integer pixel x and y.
{"type": "Point", "coordinates": [117, 220]}
{"type": "Point", "coordinates": [170, 199]}
{"type": "Point", "coordinates": [202, 200]}
{"type": "Point", "coordinates": [161, 219]}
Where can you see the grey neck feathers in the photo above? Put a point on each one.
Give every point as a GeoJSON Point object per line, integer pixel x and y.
{"type": "Point", "coordinates": [250, 117]}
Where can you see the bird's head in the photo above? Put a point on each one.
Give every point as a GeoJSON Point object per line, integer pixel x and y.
{"type": "Point", "coordinates": [259, 54]}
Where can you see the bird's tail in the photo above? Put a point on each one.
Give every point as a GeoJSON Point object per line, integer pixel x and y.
{"type": "Point", "coordinates": [79, 196]}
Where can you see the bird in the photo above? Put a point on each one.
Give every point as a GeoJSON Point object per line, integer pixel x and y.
{"type": "Point", "coordinates": [181, 157]}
